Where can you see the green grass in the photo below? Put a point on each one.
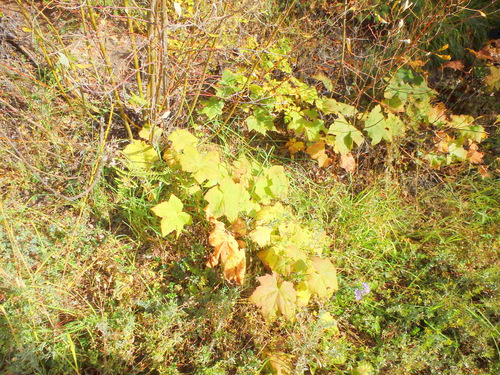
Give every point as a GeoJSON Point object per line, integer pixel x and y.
{"type": "Point", "coordinates": [430, 261]}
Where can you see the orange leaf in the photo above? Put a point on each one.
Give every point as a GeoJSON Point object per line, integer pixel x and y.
{"type": "Point", "coordinates": [474, 156]}
{"type": "Point", "coordinates": [318, 152]}
{"type": "Point", "coordinates": [455, 65]}
{"type": "Point", "coordinates": [348, 163]}
{"type": "Point", "coordinates": [442, 142]}
{"type": "Point", "coordinates": [239, 227]}
{"type": "Point", "coordinates": [229, 253]}
{"type": "Point", "coordinates": [483, 171]}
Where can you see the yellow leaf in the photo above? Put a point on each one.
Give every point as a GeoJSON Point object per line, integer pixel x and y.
{"type": "Point", "coordinates": [278, 363]}
{"type": "Point", "coordinates": [317, 151]}
{"type": "Point", "coordinates": [445, 47]}
{"type": "Point", "coordinates": [295, 146]}
{"type": "Point", "coordinates": [348, 45]}
{"type": "Point", "coordinates": [444, 57]}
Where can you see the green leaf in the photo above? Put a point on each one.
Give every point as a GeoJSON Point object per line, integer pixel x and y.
{"type": "Point", "coordinates": [181, 139]}
{"type": "Point", "coordinates": [376, 126]}
{"type": "Point", "coordinates": [273, 258]}
{"type": "Point", "coordinates": [230, 83]}
{"type": "Point", "coordinates": [300, 124]}
{"type": "Point", "coordinates": [345, 135]}
{"type": "Point", "coordinates": [322, 278]}
{"type": "Point", "coordinates": [261, 121]}
{"type": "Point", "coordinates": [172, 216]}
{"type": "Point", "coordinates": [140, 154]}
{"type": "Point", "coordinates": [275, 296]}
{"type": "Point", "coordinates": [229, 199]}
{"type": "Point", "coordinates": [213, 107]}
{"type": "Point", "coordinates": [328, 106]}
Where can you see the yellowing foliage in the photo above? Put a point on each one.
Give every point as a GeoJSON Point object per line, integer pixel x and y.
{"type": "Point", "coordinates": [228, 251]}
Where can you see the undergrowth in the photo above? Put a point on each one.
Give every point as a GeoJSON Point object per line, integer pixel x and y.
{"type": "Point", "coordinates": [234, 188]}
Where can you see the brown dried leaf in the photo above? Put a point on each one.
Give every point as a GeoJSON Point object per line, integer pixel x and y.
{"type": "Point", "coordinates": [483, 171]}
{"type": "Point", "coordinates": [229, 253]}
{"type": "Point", "coordinates": [455, 65]}
{"type": "Point", "coordinates": [348, 163]}
{"type": "Point", "coordinates": [437, 114]}
{"type": "Point", "coordinates": [474, 156]}
{"type": "Point", "coordinates": [239, 227]}
{"type": "Point", "coordinates": [482, 54]}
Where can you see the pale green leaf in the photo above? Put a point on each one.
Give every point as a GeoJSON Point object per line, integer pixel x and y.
{"type": "Point", "coordinates": [328, 106]}
{"type": "Point", "coordinates": [172, 216]}
{"type": "Point", "coordinates": [376, 126]}
{"type": "Point", "coordinates": [456, 149]}
{"type": "Point", "coordinates": [229, 199]}
{"type": "Point", "coordinates": [202, 166]}
{"type": "Point", "coordinates": [140, 154]}
{"type": "Point", "coordinates": [322, 278]}
{"type": "Point", "coordinates": [261, 121]}
{"type": "Point", "coordinates": [345, 135]}
{"type": "Point", "coordinates": [213, 107]}
{"type": "Point", "coordinates": [395, 124]}
{"type": "Point", "coordinates": [274, 259]}
{"type": "Point", "coordinates": [278, 181]}
{"type": "Point", "coordinates": [181, 139]}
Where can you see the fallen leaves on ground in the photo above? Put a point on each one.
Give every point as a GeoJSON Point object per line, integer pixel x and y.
{"type": "Point", "coordinates": [348, 163]}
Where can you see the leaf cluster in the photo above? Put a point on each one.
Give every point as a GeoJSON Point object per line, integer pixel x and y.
{"type": "Point", "coordinates": [239, 199]}
{"type": "Point", "coordinates": [327, 123]}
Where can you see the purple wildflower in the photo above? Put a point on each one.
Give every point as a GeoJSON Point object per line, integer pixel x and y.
{"type": "Point", "coordinates": [359, 293]}
{"type": "Point", "coordinates": [366, 288]}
